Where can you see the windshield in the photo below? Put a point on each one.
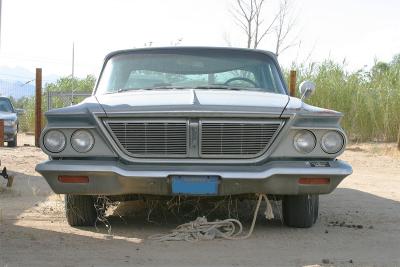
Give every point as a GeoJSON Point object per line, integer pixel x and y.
{"type": "Point", "coordinates": [5, 105]}
{"type": "Point", "coordinates": [198, 70]}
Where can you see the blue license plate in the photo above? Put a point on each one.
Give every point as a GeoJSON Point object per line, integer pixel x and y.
{"type": "Point", "coordinates": [194, 185]}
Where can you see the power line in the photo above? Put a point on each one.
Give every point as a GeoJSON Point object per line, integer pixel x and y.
{"type": "Point", "coordinates": [20, 77]}
{"type": "Point", "coordinates": [0, 21]}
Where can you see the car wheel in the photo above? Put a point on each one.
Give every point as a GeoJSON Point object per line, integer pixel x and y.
{"type": "Point", "coordinates": [80, 210]}
{"type": "Point", "coordinates": [12, 143]}
{"type": "Point", "coordinates": [300, 211]}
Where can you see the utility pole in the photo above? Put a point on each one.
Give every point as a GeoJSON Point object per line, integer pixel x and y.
{"type": "Point", "coordinates": [0, 21]}
{"type": "Point", "coordinates": [1, 121]}
{"type": "Point", "coordinates": [72, 73]}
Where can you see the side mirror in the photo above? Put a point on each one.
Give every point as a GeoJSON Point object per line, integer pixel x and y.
{"type": "Point", "coordinates": [20, 111]}
{"type": "Point", "coordinates": [306, 88]}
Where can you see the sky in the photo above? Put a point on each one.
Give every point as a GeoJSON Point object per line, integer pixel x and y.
{"type": "Point", "coordinates": [40, 33]}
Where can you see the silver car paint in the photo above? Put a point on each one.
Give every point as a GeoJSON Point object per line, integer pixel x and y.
{"type": "Point", "coordinates": [193, 104]}
{"type": "Point", "coordinates": [195, 100]}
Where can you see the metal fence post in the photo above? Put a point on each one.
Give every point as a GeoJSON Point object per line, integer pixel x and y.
{"type": "Point", "coordinates": [38, 106]}
{"type": "Point", "coordinates": [1, 133]}
{"type": "Point", "coordinates": [48, 99]}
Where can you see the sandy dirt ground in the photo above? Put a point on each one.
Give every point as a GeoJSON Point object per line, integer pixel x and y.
{"type": "Point", "coordinates": [359, 225]}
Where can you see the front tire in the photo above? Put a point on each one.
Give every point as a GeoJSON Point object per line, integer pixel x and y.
{"type": "Point", "coordinates": [300, 211]}
{"type": "Point", "coordinates": [80, 210]}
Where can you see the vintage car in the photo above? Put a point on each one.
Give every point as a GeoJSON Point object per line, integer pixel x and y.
{"type": "Point", "coordinates": [193, 121]}
{"type": "Point", "coordinates": [10, 117]}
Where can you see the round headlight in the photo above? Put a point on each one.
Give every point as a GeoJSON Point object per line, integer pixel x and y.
{"type": "Point", "coordinates": [54, 141]}
{"type": "Point", "coordinates": [304, 141]}
{"type": "Point", "coordinates": [82, 141]}
{"type": "Point", "coordinates": [332, 142]}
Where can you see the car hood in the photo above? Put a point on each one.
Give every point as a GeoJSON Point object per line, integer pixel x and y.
{"type": "Point", "coordinates": [193, 100]}
{"type": "Point", "coordinates": [7, 116]}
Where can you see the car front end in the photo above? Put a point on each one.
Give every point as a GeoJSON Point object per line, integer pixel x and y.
{"type": "Point", "coordinates": [194, 140]}
{"type": "Point", "coordinates": [274, 166]}
{"type": "Point", "coordinates": [10, 120]}
{"type": "Point", "coordinates": [10, 130]}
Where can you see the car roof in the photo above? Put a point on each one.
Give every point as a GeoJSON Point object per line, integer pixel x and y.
{"type": "Point", "coordinates": [193, 49]}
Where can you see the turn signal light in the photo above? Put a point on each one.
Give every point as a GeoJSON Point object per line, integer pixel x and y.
{"type": "Point", "coordinates": [73, 179]}
{"type": "Point", "coordinates": [314, 181]}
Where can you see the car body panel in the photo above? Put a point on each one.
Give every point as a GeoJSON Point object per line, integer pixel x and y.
{"type": "Point", "coordinates": [113, 177]}
{"type": "Point", "coordinates": [112, 172]}
{"type": "Point", "coordinates": [193, 100]}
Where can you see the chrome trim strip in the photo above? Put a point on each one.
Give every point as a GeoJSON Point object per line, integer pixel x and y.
{"type": "Point", "coordinates": [337, 167]}
{"type": "Point", "coordinates": [193, 114]}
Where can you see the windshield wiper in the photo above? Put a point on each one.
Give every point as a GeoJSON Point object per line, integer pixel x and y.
{"type": "Point", "coordinates": [205, 87]}
{"type": "Point", "coordinates": [219, 87]}
{"type": "Point", "coordinates": [153, 88]}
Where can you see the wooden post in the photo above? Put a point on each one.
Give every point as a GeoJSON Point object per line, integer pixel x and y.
{"type": "Point", "coordinates": [38, 106]}
{"type": "Point", "coordinates": [292, 83]}
{"type": "Point", "coordinates": [1, 133]}
{"type": "Point", "coordinates": [398, 140]}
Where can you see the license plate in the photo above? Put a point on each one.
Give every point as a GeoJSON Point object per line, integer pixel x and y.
{"type": "Point", "coordinates": [194, 185]}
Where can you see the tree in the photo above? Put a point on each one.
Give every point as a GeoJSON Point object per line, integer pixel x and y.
{"type": "Point", "coordinates": [283, 28]}
{"type": "Point", "coordinates": [66, 84]}
{"type": "Point", "coordinates": [249, 16]}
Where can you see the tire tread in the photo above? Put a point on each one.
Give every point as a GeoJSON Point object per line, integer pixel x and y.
{"type": "Point", "coordinates": [80, 210]}
{"type": "Point", "coordinates": [300, 211]}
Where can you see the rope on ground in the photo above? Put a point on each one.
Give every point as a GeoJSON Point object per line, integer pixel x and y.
{"type": "Point", "coordinates": [201, 229]}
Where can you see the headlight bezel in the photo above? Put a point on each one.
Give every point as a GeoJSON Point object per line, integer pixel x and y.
{"type": "Point", "coordinates": [47, 145]}
{"type": "Point", "coordinates": [340, 147]}
{"type": "Point", "coordinates": [296, 145]}
{"type": "Point", "coordinates": [73, 144]}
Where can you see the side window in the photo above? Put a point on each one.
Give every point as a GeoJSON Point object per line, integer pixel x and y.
{"type": "Point", "coordinates": [242, 78]}
{"type": "Point", "coordinates": [193, 80]}
{"type": "Point", "coordinates": [144, 79]}
{"type": "Point", "coordinates": [5, 105]}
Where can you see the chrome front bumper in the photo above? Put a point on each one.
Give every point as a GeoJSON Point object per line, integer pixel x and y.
{"type": "Point", "coordinates": [108, 177]}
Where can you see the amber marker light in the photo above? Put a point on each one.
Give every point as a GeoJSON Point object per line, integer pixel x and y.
{"type": "Point", "coordinates": [314, 181]}
{"type": "Point", "coordinates": [73, 179]}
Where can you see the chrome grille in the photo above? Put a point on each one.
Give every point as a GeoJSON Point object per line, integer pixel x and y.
{"type": "Point", "coordinates": [151, 138]}
{"type": "Point", "coordinates": [241, 139]}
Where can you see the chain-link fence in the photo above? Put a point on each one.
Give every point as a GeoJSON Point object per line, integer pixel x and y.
{"type": "Point", "coordinates": [64, 99]}
{"type": "Point", "coordinates": [22, 96]}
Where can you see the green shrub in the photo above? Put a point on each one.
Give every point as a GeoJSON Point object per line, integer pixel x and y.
{"type": "Point", "coordinates": [369, 99]}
